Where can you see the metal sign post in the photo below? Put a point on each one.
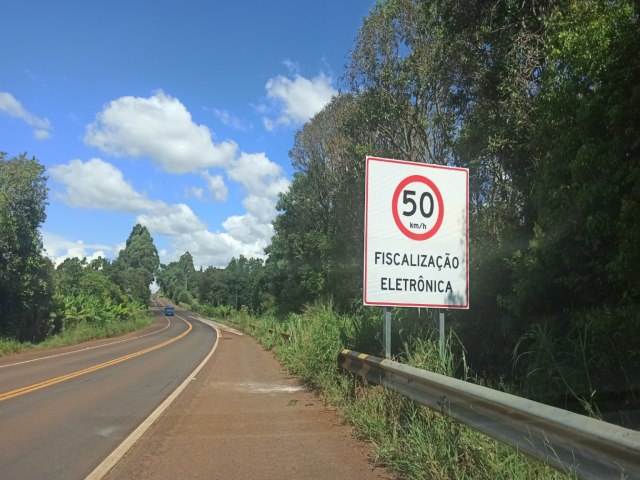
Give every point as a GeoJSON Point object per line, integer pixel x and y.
{"type": "Point", "coordinates": [386, 315]}
{"type": "Point", "coordinates": [441, 329]}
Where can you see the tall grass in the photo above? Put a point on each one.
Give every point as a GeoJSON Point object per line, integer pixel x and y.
{"type": "Point", "coordinates": [587, 366]}
{"type": "Point", "coordinates": [414, 441]}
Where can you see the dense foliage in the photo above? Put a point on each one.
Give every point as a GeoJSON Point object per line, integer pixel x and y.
{"type": "Point", "coordinates": [78, 298]}
{"type": "Point", "coordinates": [25, 273]}
{"type": "Point", "coordinates": [541, 101]}
{"type": "Point", "coordinates": [137, 265]}
{"type": "Point", "coordinates": [241, 284]}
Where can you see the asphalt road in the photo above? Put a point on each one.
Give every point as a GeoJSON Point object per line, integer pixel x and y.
{"type": "Point", "coordinates": [63, 411]}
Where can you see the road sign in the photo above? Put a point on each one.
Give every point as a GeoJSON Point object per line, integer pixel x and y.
{"type": "Point", "coordinates": [416, 243]}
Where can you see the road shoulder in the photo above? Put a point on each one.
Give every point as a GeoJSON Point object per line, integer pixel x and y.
{"type": "Point", "coordinates": [245, 417]}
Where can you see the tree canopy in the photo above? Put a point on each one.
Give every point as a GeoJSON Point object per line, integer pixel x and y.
{"type": "Point", "coordinates": [25, 274]}
{"type": "Point", "coordinates": [137, 265]}
{"type": "Point", "coordinates": [540, 100]}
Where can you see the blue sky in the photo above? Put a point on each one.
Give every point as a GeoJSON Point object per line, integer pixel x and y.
{"type": "Point", "coordinates": [175, 115]}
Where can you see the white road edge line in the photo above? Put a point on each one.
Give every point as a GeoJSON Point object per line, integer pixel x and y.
{"type": "Point", "coordinates": [220, 326]}
{"type": "Point", "coordinates": [108, 463]}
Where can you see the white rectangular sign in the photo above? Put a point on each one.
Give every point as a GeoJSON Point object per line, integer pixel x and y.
{"type": "Point", "coordinates": [416, 242]}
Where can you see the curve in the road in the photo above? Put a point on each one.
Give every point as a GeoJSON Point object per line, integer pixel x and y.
{"type": "Point", "coordinates": [53, 381]}
{"type": "Point", "coordinates": [108, 463]}
{"type": "Point", "coordinates": [103, 345]}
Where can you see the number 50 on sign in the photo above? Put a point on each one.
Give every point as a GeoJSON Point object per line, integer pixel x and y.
{"type": "Point", "coordinates": [416, 234]}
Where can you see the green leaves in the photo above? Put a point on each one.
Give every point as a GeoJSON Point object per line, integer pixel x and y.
{"type": "Point", "coordinates": [137, 265]}
{"type": "Point", "coordinates": [25, 275]}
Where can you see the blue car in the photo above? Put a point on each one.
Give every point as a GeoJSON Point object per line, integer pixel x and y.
{"type": "Point", "coordinates": [168, 310]}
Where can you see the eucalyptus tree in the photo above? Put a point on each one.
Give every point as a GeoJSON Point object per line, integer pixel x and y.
{"type": "Point", "coordinates": [408, 89]}
{"type": "Point", "coordinates": [137, 265]}
{"type": "Point", "coordinates": [186, 268]}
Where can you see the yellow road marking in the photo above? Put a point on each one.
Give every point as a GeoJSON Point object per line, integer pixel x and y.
{"type": "Point", "coordinates": [52, 381]}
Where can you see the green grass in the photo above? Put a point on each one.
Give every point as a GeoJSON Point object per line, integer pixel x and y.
{"type": "Point", "coordinates": [80, 332]}
{"type": "Point", "coordinates": [412, 440]}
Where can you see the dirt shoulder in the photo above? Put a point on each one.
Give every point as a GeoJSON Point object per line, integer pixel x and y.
{"type": "Point", "coordinates": [244, 417]}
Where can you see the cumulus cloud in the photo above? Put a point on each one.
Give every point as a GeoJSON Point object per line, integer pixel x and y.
{"type": "Point", "coordinates": [217, 249]}
{"type": "Point", "coordinates": [297, 99]}
{"type": "Point", "coordinates": [260, 176]}
{"type": "Point", "coordinates": [247, 228]}
{"type": "Point", "coordinates": [11, 106]}
{"type": "Point", "coordinates": [195, 192]}
{"type": "Point", "coordinates": [58, 248]}
{"type": "Point", "coordinates": [161, 129]}
{"type": "Point", "coordinates": [216, 186]}
{"type": "Point", "coordinates": [171, 220]}
{"type": "Point", "coordinates": [230, 120]}
{"type": "Point", "coordinates": [263, 209]}
{"type": "Point", "coordinates": [98, 184]}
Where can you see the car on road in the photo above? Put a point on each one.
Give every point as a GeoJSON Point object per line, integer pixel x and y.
{"type": "Point", "coordinates": [168, 310]}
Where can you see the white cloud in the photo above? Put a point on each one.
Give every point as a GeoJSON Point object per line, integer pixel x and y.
{"type": "Point", "coordinates": [293, 67]}
{"type": "Point", "coordinates": [58, 248]}
{"type": "Point", "coordinates": [41, 134]}
{"type": "Point", "coordinates": [11, 106]}
{"type": "Point", "coordinates": [160, 128]}
{"type": "Point", "coordinates": [195, 192]}
{"type": "Point", "coordinates": [216, 186]}
{"type": "Point", "coordinates": [260, 176]}
{"type": "Point", "coordinates": [217, 249]}
{"type": "Point", "coordinates": [261, 208]}
{"type": "Point", "coordinates": [248, 228]}
{"type": "Point", "coordinates": [98, 184]}
{"type": "Point", "coordinates": [297, 99]}
{"type": "Point", "coordinates": [230, 120]}
{"type": "Point", "coordinates": [171, 220]}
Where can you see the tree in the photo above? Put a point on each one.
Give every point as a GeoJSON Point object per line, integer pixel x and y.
{"type": "Point", "coordinates": [408, 89]}
{"type": "Point", "coordinates": [186, 268]}
{"type": "Point", "coordinates": [137, 265]}
{"type": "Point", "coordinates": [77, 277]}
{"type": "Point", "coordinates": [316, 249]}
{"type": "Point", "coordinates": [211, 287]}
{"type": "Point", "coordinates": [25, 275]}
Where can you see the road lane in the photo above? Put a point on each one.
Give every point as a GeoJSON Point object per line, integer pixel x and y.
{"type": "Point", "coordinates": [84, 371]}
{"type": "Point", "coordinates": [65, 430]}
{"type": "Point", "coordinates": [20, 373]}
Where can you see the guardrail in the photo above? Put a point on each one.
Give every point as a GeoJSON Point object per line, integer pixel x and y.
{"type": "Point", "coordinates": [571, 443]}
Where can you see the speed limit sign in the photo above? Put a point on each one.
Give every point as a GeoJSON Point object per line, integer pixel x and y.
{"type": "Point", "coordinates": [416, 234]}
{"type": "Point", "coordinates": [418, 190]}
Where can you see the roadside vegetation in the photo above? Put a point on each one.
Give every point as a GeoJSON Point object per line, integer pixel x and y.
{"type": "Point", "coordinates": [81, 332]}
{"type": "Point", "coordinates": [541, 101]}
{"type": "Point", "coordinates": [409, 438]}
{"type": "Point", "coordinates": [42, 305]}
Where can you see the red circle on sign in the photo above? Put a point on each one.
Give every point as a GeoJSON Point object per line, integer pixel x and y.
{"type": "Point", "coordinates": [394, 208]}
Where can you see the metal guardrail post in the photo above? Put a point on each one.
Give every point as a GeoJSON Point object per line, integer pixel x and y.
{"type": "Point", "coordinates": [571, 443]}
